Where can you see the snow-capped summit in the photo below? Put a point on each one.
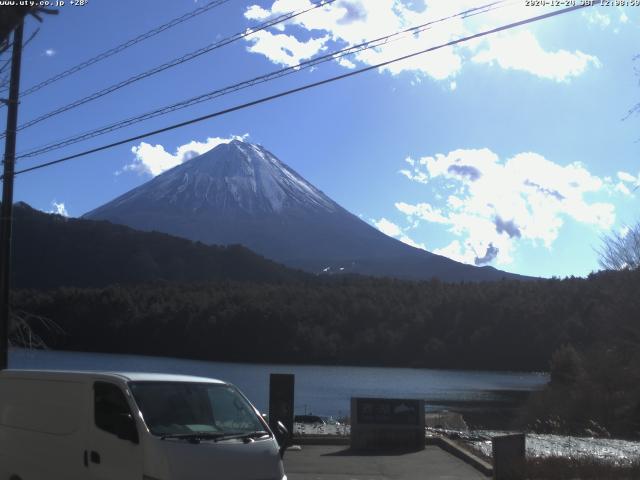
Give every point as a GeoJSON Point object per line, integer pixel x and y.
{"type": "Point", "coordinates": [237, 177]}
{"type": "Point", "coordinates": [240, 193]}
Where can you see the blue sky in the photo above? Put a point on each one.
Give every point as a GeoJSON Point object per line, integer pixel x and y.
{"type": "Point", "coordinates": [510, 151]}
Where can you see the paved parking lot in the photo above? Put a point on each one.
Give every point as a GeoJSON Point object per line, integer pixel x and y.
{"type": "Point", "coordinates": [335, 462]}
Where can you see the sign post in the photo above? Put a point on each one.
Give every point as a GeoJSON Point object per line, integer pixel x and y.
{"type": "Point", "coordinates": [281, 399]}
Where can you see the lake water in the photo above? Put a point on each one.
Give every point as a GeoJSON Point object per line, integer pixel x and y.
{"type": "Point", "coordinates": [323, 390]}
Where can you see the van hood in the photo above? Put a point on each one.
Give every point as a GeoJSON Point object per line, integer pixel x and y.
{"type": "Point", "coordinates": [225, 460]}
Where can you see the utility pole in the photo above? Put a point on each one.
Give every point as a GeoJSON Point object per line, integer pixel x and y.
{"type": "Point", "coordinates": [7, 194]}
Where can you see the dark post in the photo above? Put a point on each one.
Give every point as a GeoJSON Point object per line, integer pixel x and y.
{"type": "Point", "coordinates": [7, 194]}
{"type": "Point", "coordinates": [509, 457]}
{"type": "Point", "coordinates": [281, 398]}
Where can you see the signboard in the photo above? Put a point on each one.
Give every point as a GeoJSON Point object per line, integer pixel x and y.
{"type": "Point", "coordinates": [388, 411]}
{"type": "Point", "coordinates": [387, 424]}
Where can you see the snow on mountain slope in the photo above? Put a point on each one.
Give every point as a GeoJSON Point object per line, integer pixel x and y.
{"type": "Point", "coordinates": [235, 176]}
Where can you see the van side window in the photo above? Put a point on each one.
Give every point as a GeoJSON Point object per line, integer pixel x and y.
{"type": "Point", "coordinates": [110, 407]}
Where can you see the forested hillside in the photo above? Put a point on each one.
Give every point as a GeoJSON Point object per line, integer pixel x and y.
{"type": "Point", "coordinates": [349, 320]}
{"type": "Point", "coordinates": [52, 251]}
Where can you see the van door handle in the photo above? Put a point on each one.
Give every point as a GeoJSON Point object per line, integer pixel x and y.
{"type": "Point", "coordinates": [95, 457]}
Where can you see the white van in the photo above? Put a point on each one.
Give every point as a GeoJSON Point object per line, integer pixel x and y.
{"type": "Point", "coordinates": [131, 426]}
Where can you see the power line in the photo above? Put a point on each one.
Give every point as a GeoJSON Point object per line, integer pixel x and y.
{"type": "Point", "coordinates": [351, 50]}
{"type": "Point", "coordinates": [247, 83]}
{"type": "Point", "coordinates": [26, 42]}
{"type": "Point", "coordinates": [304, 87]}
{"type": "Point", "coordinates": [172, 63]}
{"type": "Point", "coordinates": [112, 51]}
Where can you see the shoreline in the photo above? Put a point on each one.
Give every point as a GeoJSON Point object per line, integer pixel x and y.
{"type": "Point", "coordinates": [284, 364]}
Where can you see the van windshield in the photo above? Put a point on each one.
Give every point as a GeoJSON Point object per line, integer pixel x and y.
{"type": "Point", "coordinates": [174, 408]}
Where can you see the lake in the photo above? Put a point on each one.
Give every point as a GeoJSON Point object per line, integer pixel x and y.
{"type": "Point", "coordinates": [486, 399]}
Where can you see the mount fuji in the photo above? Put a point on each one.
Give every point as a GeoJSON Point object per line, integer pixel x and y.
{"type": "Point", "coordinates": [240, 193]}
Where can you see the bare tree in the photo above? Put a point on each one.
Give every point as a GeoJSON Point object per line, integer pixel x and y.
{"type": "Point", "coordinates": [22, 333]}
{"type": "Point", "coordinates": [621, 251]}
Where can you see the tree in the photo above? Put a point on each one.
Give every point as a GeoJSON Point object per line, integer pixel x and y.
{"type": "Point", "coordinates": [621, 251]}
{"type": "Point", "coordinates": [21, 330]}
{"type": "Point", "coordinates": [566, 366]}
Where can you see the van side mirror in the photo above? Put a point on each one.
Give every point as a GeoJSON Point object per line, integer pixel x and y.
{"type": "Point", "coordinates": [283, 437]}
{"type": "Point", "coordinates": [125, 427]}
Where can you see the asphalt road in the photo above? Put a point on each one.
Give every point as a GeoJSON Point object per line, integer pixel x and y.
{"type": "Point", "coordinates": [331, 462]}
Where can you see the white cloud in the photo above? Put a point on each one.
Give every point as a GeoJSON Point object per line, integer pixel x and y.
{"type": "Point", "coordinates": [387, 227]}
{"type": "Point", "coordinates": [350, 22]}
{"type": "Point", "coordinates": [415, 176]}
{"type": "Point", "coordinates": [392, 230]}
{"type": "Point", "coordinates": [346, 63]}
{"type": "Point", "coordinates": [629, 178]}
{"type": "Point", "coordinates": [256, 12]}
{"type": "Point", "coordinates": [622, 188]}
{"type": "Point", "coordinates": [522, 51]}
{"type": "Point", "coordinates": [423, 211]}
{"type": "Point", "coordinates": [154, 159]}
{"type": "Point", "coordinates": [627, 184]}
{"type": "Point", "coordinates": [456, 251]}
{"type": "Point", "coordinates": [50, 52]}
{"type": "Point", "coordinates": [494, 204]}
{"type": "Point", "coordinates": [285, 49]}
{"type": "Point", "coordinates": [595, 17]}
{"type": "Point", "coordinates": [626, 177]}
{"type": "Point", "coordinates": [59, 209]}
{"type": "Point", "coordinates": [411, 242]}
